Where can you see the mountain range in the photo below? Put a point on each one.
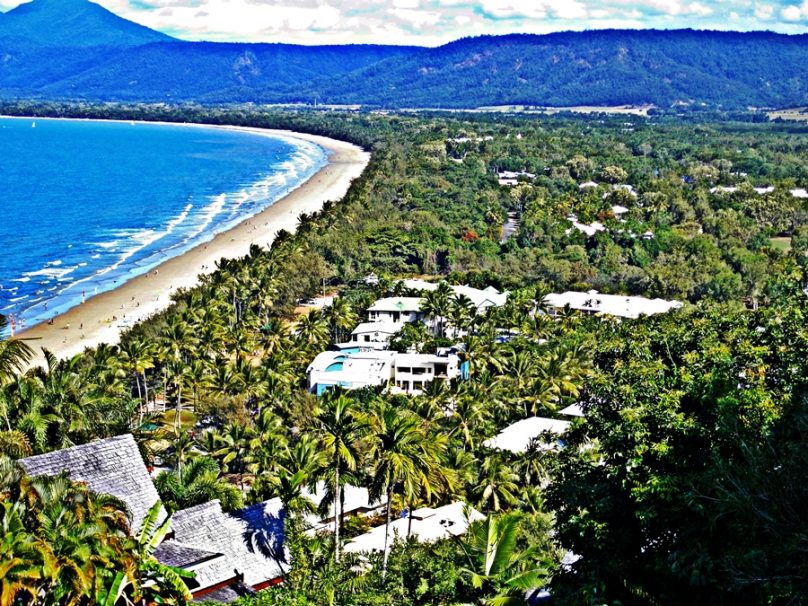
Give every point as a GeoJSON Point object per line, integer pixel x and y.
{"type": "Point", "coordinates": [78, 50]}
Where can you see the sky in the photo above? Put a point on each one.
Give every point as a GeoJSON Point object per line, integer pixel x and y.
{"type": "Point", "coordinates": [435, 22]}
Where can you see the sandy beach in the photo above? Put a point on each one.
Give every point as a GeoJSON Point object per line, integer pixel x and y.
{"type": "Point", "coordinates": [102, 318]}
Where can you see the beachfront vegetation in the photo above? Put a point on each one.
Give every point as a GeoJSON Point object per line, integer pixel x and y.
{"type": "Point", "coordinates": [683, 483]}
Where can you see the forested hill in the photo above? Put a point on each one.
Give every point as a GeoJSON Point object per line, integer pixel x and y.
{"type": "Point", "coordinates": [590, 68]}
{"type": "Point", "coordinates": [70, 23]}
{"type": "Point", "coordinates": [75, 49]}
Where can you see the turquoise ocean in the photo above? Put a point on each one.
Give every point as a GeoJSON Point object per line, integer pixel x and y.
{"type": "Point", "coordinates": [87, 205]}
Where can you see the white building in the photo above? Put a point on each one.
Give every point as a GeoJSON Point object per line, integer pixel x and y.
{"type": "Point", "coordinates": [517, 437]}
{"type": "Point", "coordinates": [371, 335]}
{"type": "Point", "coordinates": [414, 371]}
{"type": "Point", "coordinates": [482, 299]}
{"type": "Point", "coordinates": [589, 229]}
{"type": "Point", "coordinates": [408, 373]}
{"type": "Point", "coordinates": [594, 303]}
{"type": "Point", "coordinates": [396, 310]}
{"type": "Point", "coordinates": [587, 185]}
{"type": "Point", "coordinates": [573, 410]}
{"type": "Point", "coordinates": [428, 525]}
{"type": "Point", "coordinates": [625, 188]}
{"type": "Point", "coordinates": [350, 370]}
{"type": "Point", "coordinates": [799, 193]}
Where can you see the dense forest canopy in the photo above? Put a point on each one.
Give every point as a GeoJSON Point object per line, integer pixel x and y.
{"type": "Point", "coordinates": [683, 481]}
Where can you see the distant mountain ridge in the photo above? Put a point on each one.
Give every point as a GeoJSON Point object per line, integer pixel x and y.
{"type": "Point", "coordinates": [77, 50]}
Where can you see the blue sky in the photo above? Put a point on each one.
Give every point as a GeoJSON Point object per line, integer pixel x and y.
{"type": "Point", "coordinates": [433, 22]}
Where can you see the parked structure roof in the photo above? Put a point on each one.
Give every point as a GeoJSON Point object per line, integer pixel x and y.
{"type": "Point", "coordinates": [112, 466]}
{"type": "Point", "coordinates": [621, 306]}
{"type": "Point", "coordinates": [517, 437]}
{"type": "Point", "coordinates": [428, 526]}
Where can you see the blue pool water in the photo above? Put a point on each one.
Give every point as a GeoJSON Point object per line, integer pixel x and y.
{"type": "Point", "coordinates": [88, 205]}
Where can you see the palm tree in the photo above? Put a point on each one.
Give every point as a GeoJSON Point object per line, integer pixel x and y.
{"type": "Point", "coordinates": [21, 556]}
{"type": "Point", "coordinates": [312, 330]}
{"type": "Point", "coordinates": [462, 313]}
{"type": "Point", "coordinates": [437, 304]}
{"type": "Point", "coordinates": [469, 415]}
{"type": "Point", "coordinates": [137, 355]}
{"type": "Point", "coordinates": [400, 453]}
{"type": "Point", "coordinates": [154, 583]}
{"type": "Point", "coordinates": [339, 430]}
{"type": "Point", "coordinates": [235, 445]}
{"type": "Point", "coordinates": [341, 317]}
{"type": "Point", "coordinates": [496, 563]}
{"type": "Point", "coordinates": [14, 354]}
{"type": "Point", "coordinates": [498, 484]}
{"type": "Point", "coordinates": [196, 483]}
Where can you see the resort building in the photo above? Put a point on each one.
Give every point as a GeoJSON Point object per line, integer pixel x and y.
{"type": "Point", "coordinates": [406, 373]}
{"type": "Point", "coordinates": [371, 336]}
{"type": "Point", "coordinates": [396, 310]}
{"type": "Point", "coordinates": [413, 372]}
{"type": "Point", "coordinates": [801, 193]}
{"type": "Point", "coordinates": [221, 549]}
{"type": "Point", "coordinates": [516, 438]}
{"type": "Point", "coordinates": [589, 229]}
{"type": "Point", "coordinates": [231, 554]}
{"type": "Point", "coordinates": [511, 178]}
{"type": "Point", "coordinates": [573, 410]}
{"type": "Point", "coordinates": [112, 466]}
{"type": "Point", "coordinates": [426, 525]}
{"type": "Point", "coordinates": [482, 299]}
{"type": "Point", "coordinates": [596, 304]}
{"type": "Point", "coordinates": [349, 371]}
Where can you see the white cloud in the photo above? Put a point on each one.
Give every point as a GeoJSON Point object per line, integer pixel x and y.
{"type": "Point", "coordinates": [764, 11]}
{"type": "Point", "coordinates": [433, 22]}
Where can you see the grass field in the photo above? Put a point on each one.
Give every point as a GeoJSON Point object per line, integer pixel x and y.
{"type": "Point", "coordinates": [629, 110]}
{"type": "Point", "coordinates": [799, 114]}
{"type": "Point", "coordinates": [783, 244]}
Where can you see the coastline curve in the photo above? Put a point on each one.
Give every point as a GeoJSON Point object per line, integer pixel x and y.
{"type": "Point", "coordinates": [102, 318]}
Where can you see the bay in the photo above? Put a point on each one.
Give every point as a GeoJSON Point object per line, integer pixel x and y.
{"type": "Point", "coordinates": [87, 205]}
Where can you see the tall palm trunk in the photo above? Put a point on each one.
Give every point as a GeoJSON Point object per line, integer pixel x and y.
{"type": "Point", "coordinates": [145, 388]}
{"type": "Point", "coordinates": [387, 532]}
{"type": "Point", "coordinates": [336, 513]}
{"type": "Point", "coordinates": [179, 409]}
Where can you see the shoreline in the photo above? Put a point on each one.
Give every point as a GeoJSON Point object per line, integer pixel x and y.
{"type": "Point", "coordinates": [103, 317]}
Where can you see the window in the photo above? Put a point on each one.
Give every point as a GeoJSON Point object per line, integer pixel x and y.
{"type": "Point", "coordinates": [404, 369]}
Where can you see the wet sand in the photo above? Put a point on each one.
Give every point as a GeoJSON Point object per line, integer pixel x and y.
{"type": "Point", "coordinates": [102, 317]}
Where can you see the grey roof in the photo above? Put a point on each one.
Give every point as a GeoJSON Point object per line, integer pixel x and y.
{"type": "Point", "coordinates": [112, 466]}
{"type": "Point", "coordinates": [251, 542]}
{"type": "Point", "coordinates": [173, 553]}
{"type": "Point", "coordinates": [228, 594]}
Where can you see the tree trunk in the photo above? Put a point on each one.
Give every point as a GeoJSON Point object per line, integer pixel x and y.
{"type": "Point", "coordinates": [409, 520]}
{"type": "Point", "coordinates": [179, 409]}
{"type": "Point", "coordinates": [387, 532]}
{"type": "Point", "coordinates": [137, 382]}
{"type": "Point", "coordinates": [145, 390]}
{"type": "Point", "coordinates": [336, 513]}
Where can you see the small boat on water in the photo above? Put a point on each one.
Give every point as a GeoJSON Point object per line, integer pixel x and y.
{"type": "Point", "coordinates": [33, 124]}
